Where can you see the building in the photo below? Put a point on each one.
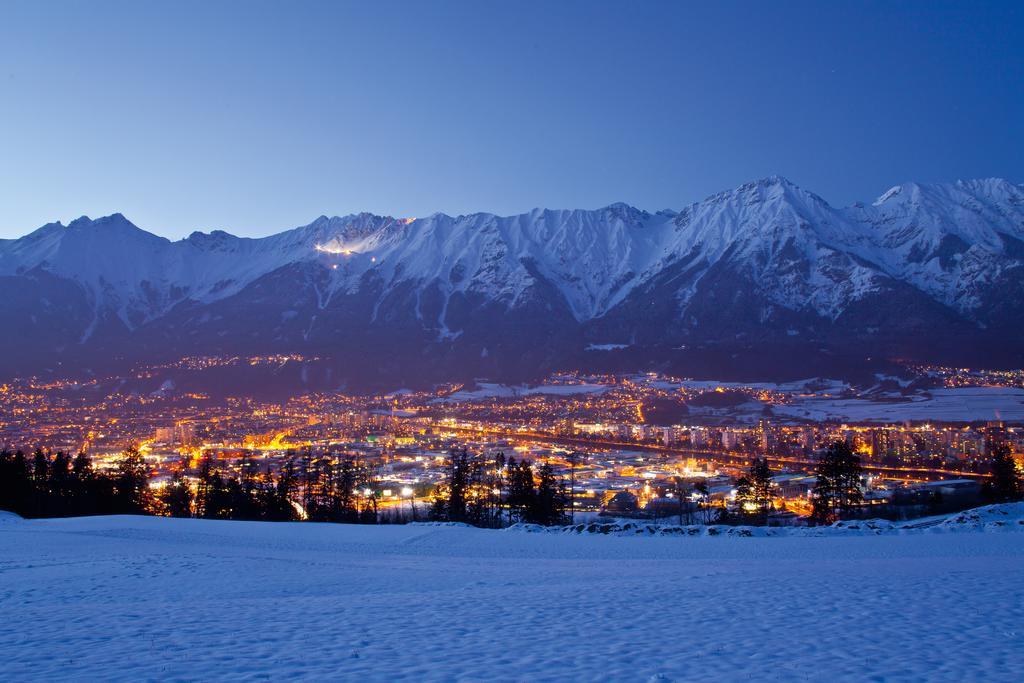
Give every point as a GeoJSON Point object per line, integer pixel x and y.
{"type": "Point", "coordinates": [622, 502]}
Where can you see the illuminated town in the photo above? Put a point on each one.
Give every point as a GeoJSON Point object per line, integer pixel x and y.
{"type": "Point", "coordinates": [626, 442]}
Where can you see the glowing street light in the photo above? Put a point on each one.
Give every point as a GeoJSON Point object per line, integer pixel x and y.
{"type": "Point", "coordinates": [407, 492]}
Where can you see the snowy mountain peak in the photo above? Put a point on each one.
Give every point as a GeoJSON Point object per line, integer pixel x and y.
{"type": "Point", "coordinates": [773, 185]}
{"type": "Point", "coordinates": [113, 227]}
{"type": "Point", "coordinates": [959, 192]}
{"type": "Point", "coordinates": [761, 248]}
{"type": "Point", "coordinates": [770, 189]}
{"type": "Point", "coordinates": [775, 180]}
{"type": "Point", "coordinates": [992, 187]}
{"type": "Point", "coordinates": [214, 240]}
{"type": "Point", "coordinates": [113, 220]}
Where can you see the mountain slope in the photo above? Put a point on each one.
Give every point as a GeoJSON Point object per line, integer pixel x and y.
{"type": "Point", "coordinates": [961, 243]}
{"type": "Point", "coordinates": [767, 262]}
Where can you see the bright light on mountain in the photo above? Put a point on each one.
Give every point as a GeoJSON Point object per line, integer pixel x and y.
{"type": "Point", "coordinates": [333, 249]}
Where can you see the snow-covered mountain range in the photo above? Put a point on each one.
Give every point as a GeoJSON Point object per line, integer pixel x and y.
{"type": "Point", "coordinates": [925, 271]}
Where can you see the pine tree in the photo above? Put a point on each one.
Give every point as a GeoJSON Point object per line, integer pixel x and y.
{"type": "Point", "coordinates": [1006, 483]}
{"type": "Point", "coordinates": [16, 487]}
{"type": "Point", "coordinates": [132, 483]}
{"type": "Point", "coordinates": [761, 477]}
{"type": "Point", "coordinates": [177, 497]}
{"type": "Point", "coordinates": [494, 484]}
{"type": "Point", "coordinates": [754, 492]}
{"type": "Point", "coordinates": [82, 465]}
{"type": "Point", "coordinates": [40, 482]}
{"type": "Point", "coordinates": [40, 468]}
{"type": "Point", "coordinates": [218, 498]}
{"type": "Point", "coordinates": [702, 490]}
{"type": "Point", "coordinates": [522, 493]}
{"type": "Point", "coordinates": [59, 486]}
{"type": "Point", "coordinates": [450, 497]}
{"type": "Point", "coordinates": [837, 490]}
{"type": "Point", "coordinates": [348, 480]}
{"type": "Point", "coordinates": [280, 508]}
{"type": "Point", "coordinates": [83, 486]}
{"type": "Point", "coordinates": [744, 494]}
{"type": "Point", "coordinates": [481, 507]}
{"type": "Point", "coordinates": [205, 477]}
{"type": "Point", "coordinates": [549, 503]}
{"type": "Point", "coordinates": [319, 482]}
{"type": "Point", "coordinates": [247, 505]}
{"type": "Point", "coordinates": [239, 505]}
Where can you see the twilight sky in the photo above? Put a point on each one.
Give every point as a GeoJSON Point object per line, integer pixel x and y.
{"type": "Point", "coordinates": [254, 117]}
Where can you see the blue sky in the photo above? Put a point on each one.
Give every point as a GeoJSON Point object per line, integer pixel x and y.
{"type": "Point", "coordinates": [254, 117]}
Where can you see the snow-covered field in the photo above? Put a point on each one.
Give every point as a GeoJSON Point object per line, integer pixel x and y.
{"type": "Point", "coordinates": [946, 404]}
{"type": "Point", "coordinates": [814, 399]}
{"type": "Point", "coordinates": [486, 390]}
{"type": "Point", "coordinates": [133, 598]}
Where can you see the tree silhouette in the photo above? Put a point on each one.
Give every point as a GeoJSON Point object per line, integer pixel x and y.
{"type": "Point", "coordinates": [131, 483]}
{"type": "Point", "coordinates": [1006, 484]}
{"type": "Point", "coordinates": [177, 497]}
{"type": "Point", "coordinates": [837, 490]}
{"type": "Point", "coordinates": [754, 492]}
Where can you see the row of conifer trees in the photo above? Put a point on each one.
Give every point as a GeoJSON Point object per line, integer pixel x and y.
{"type": "Point", "coordinates": [838, 489]}
{"type": "Point", "coordinates": [485, 491]}
{"type": "Point", "coordinates": [61, 485]}
{"type": "Point", "coordinates": [496, 492]}
{"type": "Point", "coordinates": [323, 488]}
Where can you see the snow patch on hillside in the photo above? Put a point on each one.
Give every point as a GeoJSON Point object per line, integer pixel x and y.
{"type": "Point", "coordinates": [493, 390]}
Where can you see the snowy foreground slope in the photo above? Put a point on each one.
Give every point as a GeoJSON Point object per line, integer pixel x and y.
{"type": "Point", "coordinates": [134, 598]}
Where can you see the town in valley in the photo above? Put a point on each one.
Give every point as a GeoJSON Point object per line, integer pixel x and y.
{"type": "Point", "coordinates": [642, 446]}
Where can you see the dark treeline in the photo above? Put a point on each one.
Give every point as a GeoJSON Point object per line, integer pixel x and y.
{"type": "Point", "coordinates": [838, 490]}
{"type": "Point", "coordinates": [477, 490]}
{"type": "Point", "coordinates": [314, 487]}
{"type": "Point", "coordinates": [481, 490]}
{"type": "Point", "coordinates": [495, 492]}
{"type": "Point", "coordinates": [319, 488]}
{"type": "Point", "coordinates": [59, 485]}
{"type": "Point", "coordinates": [249, 495]}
